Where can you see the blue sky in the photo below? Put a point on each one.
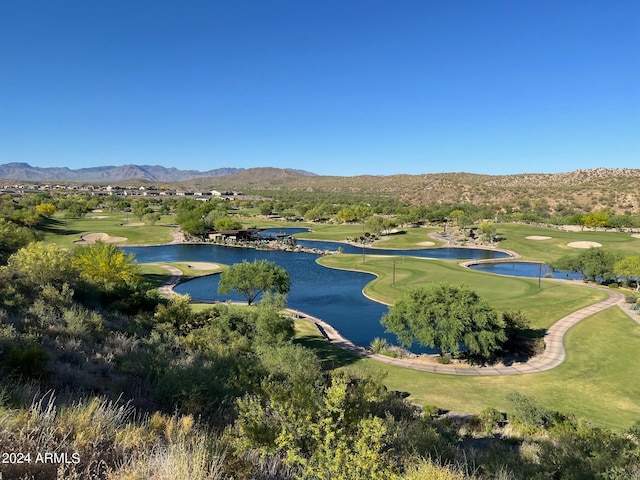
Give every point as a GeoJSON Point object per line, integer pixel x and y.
{"type": "Point", "coordinates": [334, 87]}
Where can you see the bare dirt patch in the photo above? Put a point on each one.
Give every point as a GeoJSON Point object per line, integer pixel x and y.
{"type": "Point", "coordinates": [91, 238]}
{"type": "Point", "coordinates": [538, 237]}
{"type": "Point", "coordinates": [584, 244]}
{"type": "Point", "coordinates": [133, 224]}
{"type": "Point", "coordinates": [203, 265]}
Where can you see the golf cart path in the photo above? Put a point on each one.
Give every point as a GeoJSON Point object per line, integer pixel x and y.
{"type": "Point", "coordinates": [554, 353]}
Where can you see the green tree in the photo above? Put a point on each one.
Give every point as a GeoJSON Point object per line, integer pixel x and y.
{"type": "Point", "coordinates": [444, 317]}
{"type": "Point", "coordinates": [273, 328]}
{"type": "Point", "coordinates": [140, 209]}
{"type": "Point", "coordinates": [266, 208]}
{"type": "Point", "coordinates": [226, 223]}
{"type": "Point", "coordinates": [105, 266]}
{"type": "Point", "coordinates": [12, 238]}
{"type": "Point", "coordinates": [592, 264]}
{"type": "Point", "coordinates": [253, 279]}
{"type": "Point", "coordinates": [153, 218]}
{"type": "Point", "coordinates": [380, 224]}
{"type": "Point", "coordinates": [489, 230]}
{"type": "Point", "coordinates": [629, 267]}
{"type": "Point", "coordinates": [78, 209]}
{"type": "Point", "coordinates": [347, 214]}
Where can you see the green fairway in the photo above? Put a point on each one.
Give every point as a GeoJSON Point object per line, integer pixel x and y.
{"type": "Point", "coordinates": [543, 306]}
{"type": "Point", "coordinates": [596, 382]}
{"type": "Point", "coordinates": [158, 276]}
{"type": "Point", "coordinates": [515, 238]}
{"type": "Point", "coordinates": [66, 231]}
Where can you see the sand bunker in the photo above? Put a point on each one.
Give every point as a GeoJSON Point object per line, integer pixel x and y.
{"type": "Point", "coordinates": [91, 238]}
{"type": "Point", "coordinates": [426, 244]}
{"type": "Point", "coordinates": [133, 224]}
{"type": "Point", "coordinates": [537, 237]}
{"type": "Point", "coordinates": [584, 244]}
{"type": "Point", "coordinates": [97, 216]}
{"type": "Point", "coordinates": [635, 235]}
{"type": "Point", "coordinates": [203, 265]}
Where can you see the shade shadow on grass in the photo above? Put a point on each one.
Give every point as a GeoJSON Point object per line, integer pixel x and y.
{"type": "Point", "coordinates": [55, 226]}
{"type": "Point", "coordinates": [155, 280]}
{"type": "Point", "coordinates": [330, 356]}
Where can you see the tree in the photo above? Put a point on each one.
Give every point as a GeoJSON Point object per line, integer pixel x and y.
{"type": "Point", "coordinates": [105, 266]}
{"type": "Point", "coordinates": [253, 279]}
{"type": "Point", "coordinates": [446, 317]}
{"type": "Point", "coordinates": [347, 215]}
{"type": "Point", "coordinates": [43, 264]}
{"type": "Point", "coordinates": [489, 230]}
{"type": "Point", "coordinates": [629, 267]}
{"type": "Point", "coordinates": [592, 264]}
{"type": "Point", "coordinates": [153, 218]}
{"type": "Point", "coordinates": [226, 223]}
{"type": "Point", "coordinates": [12, 238]}
{"type": "Point", "coordinates": [140, 209]}
{"type": "Point", "coordinates": [46, 209]}
{"type": "Point", "coordinates": [595, 219]}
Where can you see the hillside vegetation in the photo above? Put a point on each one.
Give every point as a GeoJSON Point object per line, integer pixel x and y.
{"type": "Point", "coordinates": [583, 190]}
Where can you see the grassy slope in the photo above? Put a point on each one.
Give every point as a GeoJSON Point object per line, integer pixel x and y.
{"type": "Point", "coordinates": [66, 231]}
{"type": "Point", "coordinates": [595, 382]}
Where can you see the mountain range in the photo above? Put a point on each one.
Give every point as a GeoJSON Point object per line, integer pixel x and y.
{"type": "Point", "coordinates": [152, 173]}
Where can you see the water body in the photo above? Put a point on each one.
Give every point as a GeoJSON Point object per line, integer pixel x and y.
{"type": "Point", "coordinates": [333, 295]}
{"type": "Point", "coordinates": [524, 269]}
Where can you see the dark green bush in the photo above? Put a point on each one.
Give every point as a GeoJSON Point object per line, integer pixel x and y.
{"type": "Point", "coordinates": [27, 362]}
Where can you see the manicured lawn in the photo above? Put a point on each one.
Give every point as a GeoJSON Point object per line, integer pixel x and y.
{"type": "Point", "coordinates": [158, 276]}
{"type": "Point", "coordinates": [543, 306]}
{"type": "Point", "coordinates": [67, 231]}
{"type": "Point", "coordinates": [514, 238]}
{"type": "Point", "coordinates": [596, 382]}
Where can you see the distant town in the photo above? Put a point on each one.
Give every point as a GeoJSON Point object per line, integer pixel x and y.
{"type": "Point", "coordinates": [20, 189]}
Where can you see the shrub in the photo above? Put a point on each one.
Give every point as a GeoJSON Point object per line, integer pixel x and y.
{"type": "Point", "coordinates": [379, 345]}
{"type": "Point", "coordinates": [430, 410]}
{"type": "Point", "coordinates": [444, 359]}
{"type": "Point", "coordinates": [492, 418]}
{"type": "Point", "coordinates": [28, 362]}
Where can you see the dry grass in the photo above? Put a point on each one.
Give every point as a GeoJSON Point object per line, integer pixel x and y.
{"type": "Point", "coordinates": [96, 438]}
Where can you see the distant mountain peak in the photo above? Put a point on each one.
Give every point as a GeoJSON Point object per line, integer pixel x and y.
{"type": "Point", "coordinates": [153, 173]}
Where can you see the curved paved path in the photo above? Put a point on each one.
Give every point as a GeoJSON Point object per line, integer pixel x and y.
{"type": "Point", "coordinates": [554, 353]}
{"type": "Point", "coordinates": [174, 279]}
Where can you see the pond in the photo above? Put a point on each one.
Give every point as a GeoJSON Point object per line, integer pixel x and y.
{"type": "Point", "coordinates": [524, 269]}
{"type": "Point", "coordinates": [332, 295]}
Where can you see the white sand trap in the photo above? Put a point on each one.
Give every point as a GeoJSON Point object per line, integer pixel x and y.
{"type": "Point", "coordinates": [635, 235]}
{"type": "Point", "coordinates": [584, 244]}
{"type": "Point", "coordinates": [426, 244]}
{"type": "Point", "coordinates": [538, 237]}
{"type": "Point", "coordinates": [91, 238]}
{"type": "Point", "coordinates": [133, 224]}
{"type": "Point", "coordinates": [203, 265]}
{"type": "Point", "coordinates": [98, 216]}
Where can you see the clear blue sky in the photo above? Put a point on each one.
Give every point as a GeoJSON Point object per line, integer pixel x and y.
{"type": "Point", "coordinates": [336, 87]}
